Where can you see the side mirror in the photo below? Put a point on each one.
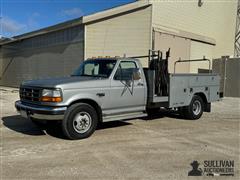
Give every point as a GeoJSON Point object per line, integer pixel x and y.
{"type": "Point", "coordinates": [136, 75]}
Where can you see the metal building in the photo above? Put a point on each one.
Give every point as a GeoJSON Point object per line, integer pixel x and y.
{"type": "Point", "coordinates": [228, 69]}
{"type": "Point", "coordinates": [190, 29]}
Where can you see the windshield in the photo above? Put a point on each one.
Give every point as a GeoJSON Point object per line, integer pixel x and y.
{"type": "Point", "coordinates": [96, 68]}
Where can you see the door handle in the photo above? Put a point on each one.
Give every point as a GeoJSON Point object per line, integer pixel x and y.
{"type": "Point", "coordinates": [140, 84]}
{"type": "Point", "coordinates": [100, 94]}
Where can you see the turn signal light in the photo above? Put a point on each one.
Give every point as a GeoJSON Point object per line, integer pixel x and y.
{"type": "Point", "coordinates": [51, 99]}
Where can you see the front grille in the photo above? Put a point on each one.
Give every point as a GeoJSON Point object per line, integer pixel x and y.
{"type": "Point", "coordinates": [30, 94]}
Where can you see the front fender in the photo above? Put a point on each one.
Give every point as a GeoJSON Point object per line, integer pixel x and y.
{"type": "Point", "coordinates": [78, 97]}
{"type": "Point", "coordinates": [73, 95]}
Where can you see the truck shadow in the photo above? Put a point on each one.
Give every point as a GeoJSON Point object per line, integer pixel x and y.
{"type": "Point", "coordinates": [162, 113]}
{"type": "Point", "coordinates": [26, 126]}
{"type": "Point", "coordinates": [21, 125]}
{"type": "Point", "coordinates": [112, 124]}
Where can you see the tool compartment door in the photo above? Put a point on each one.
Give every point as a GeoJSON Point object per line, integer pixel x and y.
{"type": "Point", "coordinates": [183, 87]}
{"type": "Point", "coordinates": [178, 94]}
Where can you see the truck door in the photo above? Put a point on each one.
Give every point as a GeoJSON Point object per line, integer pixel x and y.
{"type": "Point", "coordinates": [127, 88]}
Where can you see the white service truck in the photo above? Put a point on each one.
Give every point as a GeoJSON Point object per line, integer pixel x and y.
{"type": "Point", "coordinates": [109, 89]}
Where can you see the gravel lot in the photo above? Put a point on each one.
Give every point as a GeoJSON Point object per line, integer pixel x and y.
{"type": "Point", "coordinates": [158, 148]}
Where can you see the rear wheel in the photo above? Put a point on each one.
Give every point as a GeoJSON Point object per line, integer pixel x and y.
{"type": "Point", "coordinates": [80, 121]}
{"type": "Point", "coordinates": [195, 109]}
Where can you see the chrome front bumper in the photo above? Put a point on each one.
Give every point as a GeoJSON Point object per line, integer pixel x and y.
{"type": "Point", "coordinates": [40, 112]}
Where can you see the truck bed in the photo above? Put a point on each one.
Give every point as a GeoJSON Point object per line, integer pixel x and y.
{"type": "Point", "coordinates": [182, 87]}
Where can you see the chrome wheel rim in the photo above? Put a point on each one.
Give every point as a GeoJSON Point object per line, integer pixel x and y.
{"type": "Point", "coordinates": [82, 122]}
{"type": "Point", "coordinates": [197, 107]}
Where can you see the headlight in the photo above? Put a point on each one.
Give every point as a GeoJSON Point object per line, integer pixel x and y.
{"type": "Point", "coordinates": [51, 95]}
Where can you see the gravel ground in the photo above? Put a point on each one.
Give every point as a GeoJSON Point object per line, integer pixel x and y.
{"type": "Point", "coordinates": [159, 148]}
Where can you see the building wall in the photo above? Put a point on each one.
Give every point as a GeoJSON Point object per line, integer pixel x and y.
{"type": "Point", "coordinates": [179, 48]}
{"type": "Point", "coordinates": [198, 50]}
{"type": "Point", "coordinates": [128, 34]}
{"type": "Point", "coordinates": [50, 55]}
{"type": "Point", "coordinates": [1, 62]}
{"type": "Point", "coordinates": [228, 69]}
{"type": "Point", "coordinates": [215, 19]}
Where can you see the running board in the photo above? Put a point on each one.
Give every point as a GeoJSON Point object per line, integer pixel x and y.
{"type": "Point", "coordinates": [124, 116]}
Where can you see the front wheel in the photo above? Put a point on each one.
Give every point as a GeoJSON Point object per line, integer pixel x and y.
{"type": "Point", "coordinates": [80, 121]}
{"type": "Point", "coordinates": [195, 109]}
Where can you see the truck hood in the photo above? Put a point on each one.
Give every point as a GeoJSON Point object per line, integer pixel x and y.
{"type": "Point", "coordinates": [65, 82]}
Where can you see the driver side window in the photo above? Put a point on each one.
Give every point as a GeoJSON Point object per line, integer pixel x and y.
{"type": "Point", "coordinates": [125, 70]}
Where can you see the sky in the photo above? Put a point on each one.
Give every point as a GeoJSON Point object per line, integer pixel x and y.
{"type": "Point", "coordinates": [22, 16]}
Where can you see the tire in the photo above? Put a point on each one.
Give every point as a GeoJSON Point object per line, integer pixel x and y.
{"type": "Point", "coordinates": [80, 121]}
{"type": "Point", "coordinates": [195, 109]}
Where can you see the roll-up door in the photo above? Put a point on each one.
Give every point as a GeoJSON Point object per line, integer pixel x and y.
{"type": "Point", "coordinates": [180, 48]}
{"type": "Point", "coordinates": [198, 50]}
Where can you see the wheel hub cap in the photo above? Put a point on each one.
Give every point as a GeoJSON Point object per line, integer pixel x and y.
{"type": "Point", "coordinates": [82, 122]}
{"type": "Point", "coordinates": [197, 107]}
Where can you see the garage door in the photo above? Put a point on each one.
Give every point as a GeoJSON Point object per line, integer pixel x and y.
{"type": "Point", "coordinates": [180, 48]}
{"type": "Point", "coordinates": [198, 50]}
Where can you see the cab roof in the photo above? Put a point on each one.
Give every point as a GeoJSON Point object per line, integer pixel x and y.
{"type": "Point", "coordinates": [111, 58]}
